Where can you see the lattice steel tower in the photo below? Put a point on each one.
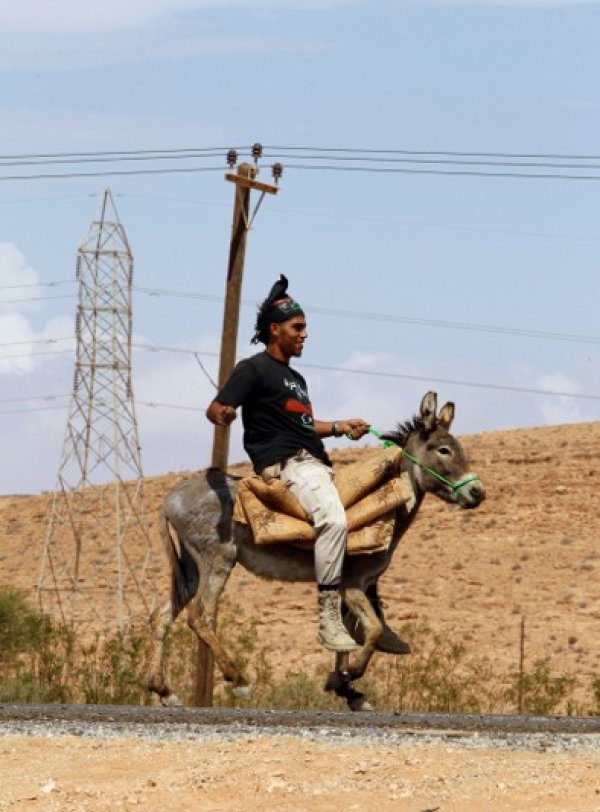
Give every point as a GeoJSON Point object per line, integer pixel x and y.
{"type": "Point", "coordinates": [97, 558]}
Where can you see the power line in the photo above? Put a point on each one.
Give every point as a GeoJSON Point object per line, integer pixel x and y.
{"type": "Point", "coordinates": [370, 219]}
{"type": "Point", "coordinates": [313, 153]}
{"type": "Point", "coordinates": [448, 173]}
{"type": "Point", "coordinates": [305, 167]}
{"type": "Point", "coordinates": [34, 354]}
{"type": "Point", "coordinates": [37, 299]}
{"type": "Point", "coordinates": [35, 341]}
{"type": "Point", "coordinates": [454, 382]}
{"type": "Point", "coordinates": [279, 210]}
{"type": "Point", "coordinates": [423, 378]}
{"type": "Point", "coordinates": [33, 409]}
{"type": "Point", "coordinates": [395, 375]}
{"type": "Point", "coordinates": [104, 159]}
{"type": "Point", "coordinates": [43, 198]}
{"type": "Point", "coordinates": [457, 153]}
{"type": "Point", "coordinates": [443, 160]}
{"type": "Point", "coordinates": [120, 152]}
{"type": "Point", "coordinates": [354, 314]}
{"type": "Point", "coordinates": [488, 162]}
{"type": "Point", "coordinates": [354, 371]}
{"type": "Point", "coordinates": [112, 173]}
{"type": "Point", "coordinates": [39, 284]}
{"type": "Point", "coordinates": [389, 317]}
{"type": "Point", "coordinates": [33, 397]}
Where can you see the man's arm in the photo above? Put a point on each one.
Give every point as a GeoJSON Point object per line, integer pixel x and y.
{"type": "Point", "coordinates": [237, 389]}
{"type": "Point", "coordinates": [354, 428]}
{"type": "Point", "coordinates": [220, 414]}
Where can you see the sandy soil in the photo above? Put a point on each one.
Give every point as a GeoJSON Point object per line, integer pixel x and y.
{"type": "Point", "coordinates": [286, 775]}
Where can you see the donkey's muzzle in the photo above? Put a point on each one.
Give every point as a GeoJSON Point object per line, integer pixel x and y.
{"type": "Point", "coordinates": [471, 495]}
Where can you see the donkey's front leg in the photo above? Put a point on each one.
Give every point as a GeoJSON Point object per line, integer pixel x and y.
{"type": "Point", "coordinates": [361, 608]}
{"type": "Point", "coordinates": [347, 668]}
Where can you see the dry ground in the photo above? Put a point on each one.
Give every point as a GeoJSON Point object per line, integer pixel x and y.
{"type": "Point", "coordinates": [288, 775]}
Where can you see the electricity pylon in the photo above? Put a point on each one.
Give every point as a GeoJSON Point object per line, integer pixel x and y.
{"type": "Point", "coordinates": [97, 557]}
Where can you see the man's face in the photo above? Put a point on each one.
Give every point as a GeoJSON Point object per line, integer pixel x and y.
{"type": "Point", "coordinates": [290, 335]}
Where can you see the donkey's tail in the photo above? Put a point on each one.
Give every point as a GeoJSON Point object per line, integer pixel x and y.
{"type": "Point", "coordinates": [184, 569]}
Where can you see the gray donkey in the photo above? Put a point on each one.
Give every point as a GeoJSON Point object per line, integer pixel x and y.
{"type": "Point", "coordinates": [208, 544]}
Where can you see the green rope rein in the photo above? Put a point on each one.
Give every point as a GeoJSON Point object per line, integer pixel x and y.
{"type": "Point", "coordinates": [454, 486]}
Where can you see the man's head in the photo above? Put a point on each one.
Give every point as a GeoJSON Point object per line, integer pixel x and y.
{"type": "Point", "coordinates": [280, 319]}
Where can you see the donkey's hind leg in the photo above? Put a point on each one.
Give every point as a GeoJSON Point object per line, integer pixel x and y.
{"type": "Point", "coordinates": [202, 615]}
{"type": "Point", "coordinates": [161, 621]}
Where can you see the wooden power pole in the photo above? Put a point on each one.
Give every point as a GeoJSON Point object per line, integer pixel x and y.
{"type": "Point", "coordinates": [244, 180]}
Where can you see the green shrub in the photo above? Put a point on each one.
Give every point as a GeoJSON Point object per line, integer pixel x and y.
{"type": "Point", "coordinates": [45, 661]}
{"type": "Point", "coordinates": [437, 677]}
{"type": "Point", "coordinates": [595, 686]}
{"type": "Point", "coordinates": [541, 692]}
{"type": "Point", "coordinates": [21, 628]}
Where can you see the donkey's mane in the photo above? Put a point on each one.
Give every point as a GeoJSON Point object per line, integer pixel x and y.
{"type": "Point", "coordinates": [403, 430]}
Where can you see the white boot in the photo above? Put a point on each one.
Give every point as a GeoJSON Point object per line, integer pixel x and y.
{"type": "Point", "coordinates": [332, 633]}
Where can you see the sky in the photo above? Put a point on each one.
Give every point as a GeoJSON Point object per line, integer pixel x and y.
{"type": "Point", "coordinates": [424, 272]}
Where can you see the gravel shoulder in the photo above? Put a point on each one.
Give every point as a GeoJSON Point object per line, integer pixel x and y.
{"type": "Point", "coordinates": [73, 765]}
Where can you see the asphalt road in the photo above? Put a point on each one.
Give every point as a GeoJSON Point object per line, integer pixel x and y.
{"type": "Point", "coordinates": [189, 723]}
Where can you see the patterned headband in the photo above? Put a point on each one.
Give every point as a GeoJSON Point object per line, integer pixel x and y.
{"type": "Point", "coordinates": [284, 309]}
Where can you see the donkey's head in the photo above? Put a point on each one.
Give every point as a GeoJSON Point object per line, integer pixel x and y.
{"type": "Point", "coordinates": [434, 458]}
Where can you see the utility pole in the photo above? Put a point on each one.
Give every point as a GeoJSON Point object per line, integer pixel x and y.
{"type": "Point", "coordinates": [245, 181]}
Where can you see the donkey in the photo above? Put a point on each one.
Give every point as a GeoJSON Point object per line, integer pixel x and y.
{"type": "Point", "coordinates": [208, 544]}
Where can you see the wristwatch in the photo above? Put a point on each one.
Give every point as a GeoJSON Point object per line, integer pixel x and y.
{"type": "Point", "coordinates": [335, 430]}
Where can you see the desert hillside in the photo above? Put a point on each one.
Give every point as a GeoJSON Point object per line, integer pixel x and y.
{"type": "Point", "coordinates": [530, 551]}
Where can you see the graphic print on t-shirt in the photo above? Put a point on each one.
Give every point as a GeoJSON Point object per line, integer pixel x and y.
{"type": "Point", "coordinates": [305, 411]}
{"type": "Point", "coordinates": [300, 404]}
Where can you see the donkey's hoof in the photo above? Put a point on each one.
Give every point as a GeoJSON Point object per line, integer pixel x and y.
{"type": "Point", "coordinates": [359, 704]}
{"type": "Point", "coordinates": [365, 705]}
{"type": "Point", "coordinates": [171, 701]}
{"type": "Point", "coordinates": [357, 701]}
{"type": "Point", "coordinates": [243, 692]}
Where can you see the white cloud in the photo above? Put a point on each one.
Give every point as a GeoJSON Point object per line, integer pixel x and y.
{"type": "Point", "coordinates": [91, 16]}
{"type": "Point", "coordinates": [22, 131]}
{"type": "Point", "coordinates": [173, 42]}
{"type": "Point", "coordinates": [62, 35]}
{"type": "Point", "coordinates": [21, 295]}
{"type": "Point", "coordinates": [67, 36]}
{"type": "Point", "coordinates": [561, 408]}
{"type": "Point", "coordinates": [18, 281]}
{"type": "Point", "coordinates": [173, 439]}
{"type": "Point", "coordinates": [15, 350]}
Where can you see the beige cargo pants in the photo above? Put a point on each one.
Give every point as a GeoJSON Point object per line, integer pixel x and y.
{"type": "Point", "coordinates": [311, 482]}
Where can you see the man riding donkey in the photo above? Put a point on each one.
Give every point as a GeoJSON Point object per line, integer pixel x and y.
{"type": "Point", "coordinates": [284, 441]}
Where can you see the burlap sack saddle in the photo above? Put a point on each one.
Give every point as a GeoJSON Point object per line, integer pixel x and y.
{"type": "Point", "coordinates": [370, 491]}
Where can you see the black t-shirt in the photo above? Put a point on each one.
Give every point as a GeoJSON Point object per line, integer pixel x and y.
{"type": "Point", "coordinates": [276, 410]}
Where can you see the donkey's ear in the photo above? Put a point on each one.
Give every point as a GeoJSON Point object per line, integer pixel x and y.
{"type": "Point", "coordinates": [446, 416]}
{"type": "Point", "coordinates": [428, 410]}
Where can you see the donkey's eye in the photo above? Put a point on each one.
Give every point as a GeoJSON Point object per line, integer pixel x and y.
{"type": "Point", "coordinates": [444, 450]}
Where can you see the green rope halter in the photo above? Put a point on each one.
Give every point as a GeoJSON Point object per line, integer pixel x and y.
{"type": "Point", "coordinates": [454, 486]}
